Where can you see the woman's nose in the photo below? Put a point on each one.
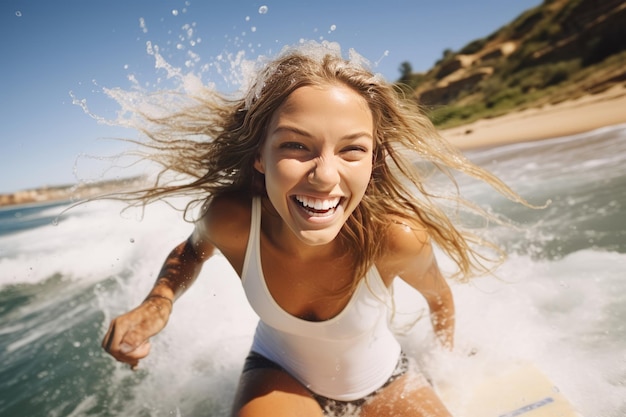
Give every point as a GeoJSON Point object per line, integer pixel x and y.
{"type": "Point", "coordinates": [325, 173]}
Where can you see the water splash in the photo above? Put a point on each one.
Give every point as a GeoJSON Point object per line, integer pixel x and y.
{"type": "Point", "coordinates": [384, 55]}
{"type": "Point", "coordinates": [142, 25]}
{"type": "Point", "coordinates": [82, 103]}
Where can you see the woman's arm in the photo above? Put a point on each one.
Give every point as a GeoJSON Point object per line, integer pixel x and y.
{"type": "Point", "coordinates": [128, 336]}
{"type": "Point", "coordinates": [415, 263]}
{"type": "Point", "coordinates": [225, 226]}
{"type": "Point", "coordinates": [433, 286]}
{"type": "Point", "coordinates": [182, 266]}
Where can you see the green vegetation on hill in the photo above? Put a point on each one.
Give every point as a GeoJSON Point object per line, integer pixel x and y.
{"type": "Point", "coordinates": [557, 51]}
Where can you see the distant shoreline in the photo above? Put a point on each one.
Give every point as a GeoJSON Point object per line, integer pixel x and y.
{"type": "Point", "coordinates": [567, 118]}
{"type": "Point", "coordinates": [66, 193]}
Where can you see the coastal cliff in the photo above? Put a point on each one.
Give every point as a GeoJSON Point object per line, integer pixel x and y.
{"type": "Point", "coordinates": [560, 50]}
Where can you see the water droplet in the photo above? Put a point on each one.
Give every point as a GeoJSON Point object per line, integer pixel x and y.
{"type": "Point", "coordinates": [76, 344]}
{"type": "Point", "coordinates": [263, 10]}
{"type": "Point", "coordinates": [332, 28]}
{"type": "Point", "coordinates": [253, 29]}
{"type": "Point", "coordinates": [175, 12]}
{"type": "Point", "coordinates": [132, 240]}
{"type": "Point", "coordinates": [247, 18]}
{"type": "Point", "coordinates": [18, 13]}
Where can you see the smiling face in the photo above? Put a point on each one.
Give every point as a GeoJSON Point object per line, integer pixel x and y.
{"type": "Point", "coordinates": [317, 160]}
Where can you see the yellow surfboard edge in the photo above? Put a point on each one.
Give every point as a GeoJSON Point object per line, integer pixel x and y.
{"type": "Point", "coordinates": [516, 390]}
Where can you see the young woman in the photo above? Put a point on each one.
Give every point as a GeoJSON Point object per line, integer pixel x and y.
{"type": "Point", "coordinates": [309, 192]}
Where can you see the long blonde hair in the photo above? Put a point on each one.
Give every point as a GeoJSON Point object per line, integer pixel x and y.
{"type": "Point", "coordinates": [214, 140]}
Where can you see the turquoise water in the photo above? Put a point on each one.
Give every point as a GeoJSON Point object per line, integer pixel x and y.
{"type": "Point", "coordinates": [559, 300]}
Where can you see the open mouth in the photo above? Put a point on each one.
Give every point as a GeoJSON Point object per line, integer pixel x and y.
{"type": "Point", "coordinates": [317, 206]}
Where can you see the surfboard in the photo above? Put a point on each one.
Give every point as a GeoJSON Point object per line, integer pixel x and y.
{"type": "Point", "coordinates": [519, 390]}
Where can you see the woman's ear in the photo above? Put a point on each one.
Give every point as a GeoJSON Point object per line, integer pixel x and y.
{"type": "Point", "coordinates": [258, 164]}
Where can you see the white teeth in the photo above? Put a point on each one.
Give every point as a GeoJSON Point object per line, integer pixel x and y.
{"type": "Point", "coordinates": [317, 203]}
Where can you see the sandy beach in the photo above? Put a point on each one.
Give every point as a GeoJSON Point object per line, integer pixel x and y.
{"type": "Point", "coordinates": [566, 118]}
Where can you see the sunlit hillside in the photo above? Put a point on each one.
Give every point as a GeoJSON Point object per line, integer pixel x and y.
{"type": "Point", "coordinates": [559, 50]}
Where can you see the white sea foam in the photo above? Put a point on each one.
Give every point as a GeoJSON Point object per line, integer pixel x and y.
{"type": "Point", "coordinates": [565, 315]}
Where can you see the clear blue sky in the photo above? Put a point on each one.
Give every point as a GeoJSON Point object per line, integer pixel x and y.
{"type": "Point", "coordinates": [49, 49]}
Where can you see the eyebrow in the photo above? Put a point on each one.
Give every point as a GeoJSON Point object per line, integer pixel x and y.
{"type": "Point", "coordinates": [300, 132]}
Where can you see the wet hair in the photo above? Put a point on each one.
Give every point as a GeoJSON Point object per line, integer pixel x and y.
{"type": "Point", "coordinates": [208, 147]}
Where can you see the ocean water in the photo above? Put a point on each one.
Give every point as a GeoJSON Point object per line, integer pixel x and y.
{"type": "Point", "coordinates": [558, 301]}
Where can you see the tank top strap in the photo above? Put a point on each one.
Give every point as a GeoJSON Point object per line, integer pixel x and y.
{"type": "Point", "coordinates": [252, 250]}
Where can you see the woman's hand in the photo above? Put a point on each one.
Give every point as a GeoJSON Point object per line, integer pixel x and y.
{"type": "Point", "coordinates": [128, 337]}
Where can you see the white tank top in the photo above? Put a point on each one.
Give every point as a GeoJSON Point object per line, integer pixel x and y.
{"type": "Point", "coordinates": [344, 358]}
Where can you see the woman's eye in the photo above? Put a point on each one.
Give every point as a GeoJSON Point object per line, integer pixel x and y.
{"type": "Point", "coordinates": [355, 150]}
{"type": "Point", "coordinates": [293, 146]}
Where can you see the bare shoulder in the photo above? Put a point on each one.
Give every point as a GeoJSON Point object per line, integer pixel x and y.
{"type": "Point", "coordinates": [226, 221]}
{"type": "Point", "coordinates": [406, 238]}
{"type": "Point", "coordinates": [407, 247]}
